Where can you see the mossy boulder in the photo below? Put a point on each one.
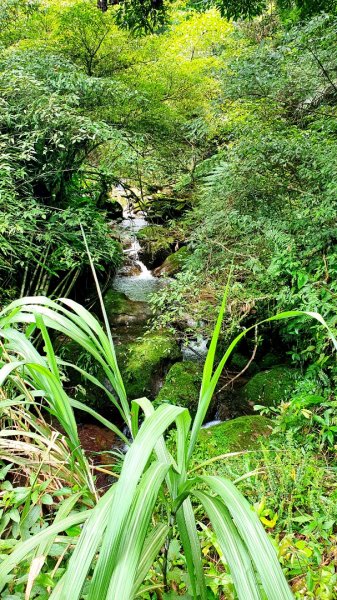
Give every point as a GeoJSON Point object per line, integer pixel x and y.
{"type": "Point", "coordinates": [173, 263]}
{"type": "Point", "coordinates": [144, 362]}
{"type": "Point", "coordinates": [117, 303]}
{"type": "Point", "coordinates": [126, 317]}
{"type": "Point", "coordinates": [271, 387]}
{"type": "Point", "coordinates": [156, 244]}
{"type": "Point", "coordinates": [235, 435]}
{"type": "Point", "coordinates": [182, 386]}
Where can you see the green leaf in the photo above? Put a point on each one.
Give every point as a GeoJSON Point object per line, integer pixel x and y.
{"type": "Point", "coordinates": [47, 499]}
{"type": "Point", "coordinates": [206, 390]}
{"type": "Point", "coordinates": [133, 466]}
{"type": "Point", "coordinates": [14, 515]}
{"type": "Point", "coordinates": [152, 545]}
{"type": "Point", "coordinates": [254, 536]}
{"type": "Point", "coordinates": [23, 549]}
{"type": "Point", "coordinates": [233, 548]}
{"type": "Point", "coordinates": [189, 537]}
{"type": "Point", "coordinates": [132, 538]}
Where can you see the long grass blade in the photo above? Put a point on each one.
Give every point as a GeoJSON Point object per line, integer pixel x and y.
{"type": "Point", "coordinates": [124, 493]}
{"type": "Point", "coordinates": [133, 537]}
{"type": "Point", "coordinates": [152, 545]}
{"type": "Point", "coordinates": [254, 536]}
{"type": "Point", "coordinates": [233, 548]}
{"type": "Point", "coordinates": [77, 324]}
{"type": "Point", "coordinates": [189, 537]}
{"type": "Point", "coordinates": [72, 582]}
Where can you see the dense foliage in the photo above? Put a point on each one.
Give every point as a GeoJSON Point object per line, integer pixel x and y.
{"type": "Point", "coordinates": [218, 120]}
{"type": "Point", "coordinates": [272, 184]}
{"type": "Point", "coordinates": [68, 136]}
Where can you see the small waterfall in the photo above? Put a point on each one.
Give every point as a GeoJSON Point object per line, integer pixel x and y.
{"type": "Point", "coordinates": [140, 286]}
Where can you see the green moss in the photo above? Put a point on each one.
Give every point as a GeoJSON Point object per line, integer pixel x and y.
{"type": "Point", "coordinates": [157, 242]}
{"type": "Point", "coordinates": [116, 302]}
{"type": "Point", "coordinates": [144, 361]}
{"type": "Point", "coordinates": [157, 235]}
{"type": "Point", "coordinates": [235, 435]}
{"type": "Point", "coordinates": [173, 263]}
{"type": "Point", "coordinates": [182, 386]}
{"type": "Point", "coordinates": [270, 387]}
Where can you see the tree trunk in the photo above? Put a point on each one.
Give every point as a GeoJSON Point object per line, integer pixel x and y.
{"type": "Point", "coordinates": [102, 5]}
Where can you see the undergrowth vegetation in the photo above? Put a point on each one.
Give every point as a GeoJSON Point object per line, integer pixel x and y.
{"type": "Point", "coordinates": [214, 124]}
{"type": "Point", "coordinates": [267, 196]}
{"type": "Point", "coordinates": [118, 524]}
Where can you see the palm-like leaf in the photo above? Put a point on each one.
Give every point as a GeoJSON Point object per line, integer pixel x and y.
{"type": "Point", "coordinates": [118, 526]}
{"type": "Point", "coordinates": [77, 324]}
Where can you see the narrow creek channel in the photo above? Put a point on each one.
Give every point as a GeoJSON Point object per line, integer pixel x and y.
{"type": "Point", "coordinates": [134, 283]}
{"type": "Point", "coordinates": [135, 280]}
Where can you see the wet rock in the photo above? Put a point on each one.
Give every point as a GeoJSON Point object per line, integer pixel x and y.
{"type": "Point", "coordinates": [195, 350]}
{"type": "Point", "coordinates": [157, 242]}
{"type": "Point", "coordinates": [127, 317]}
{"type": "Point", "coordinates": [182, 386]}
{"type": "Point", "coordinates": [114, 210]}
{"type": "Point", "coordinates": [144, 362]}
{"type": "Point", "coordinates": [271, 387]}
{"type": "Point", "coordinates": [173, 263]}
{"type": "Point", "coordinates": [165, 204]}
{"type": "Point", "coordinates": [118, 305]}
{"type": "Point", "coordinates": [130, 268]}
{"type": "Point", "coordinates": [239, 434]}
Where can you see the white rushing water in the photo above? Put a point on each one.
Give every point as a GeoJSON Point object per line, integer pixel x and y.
{"type": "Point", "coordinates": [211, 423]}
{"type": "Point", "coordinates": [140, 286]}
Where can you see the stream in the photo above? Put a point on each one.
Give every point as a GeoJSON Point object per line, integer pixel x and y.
{"type": "Point", "coordinates": [135, 280]}
{"type": "Point", "coordinates": [134, 283]}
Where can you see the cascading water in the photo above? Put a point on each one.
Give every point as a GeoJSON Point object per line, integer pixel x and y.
{"type": "Point", "coordinates": [141, 285]}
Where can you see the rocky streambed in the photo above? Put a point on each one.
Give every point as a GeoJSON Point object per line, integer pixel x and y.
{"type": "Point", "coordinates": [154, 364]}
